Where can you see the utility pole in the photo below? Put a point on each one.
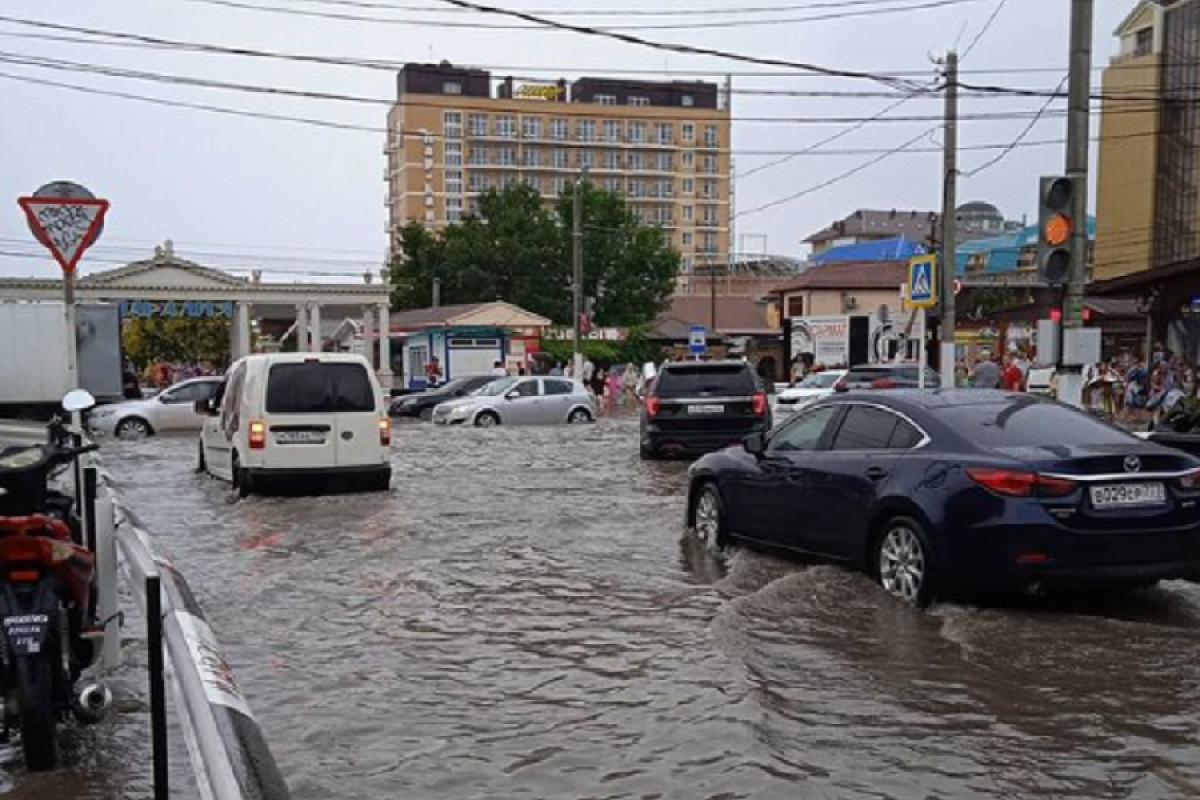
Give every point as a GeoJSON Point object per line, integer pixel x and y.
{"type": "Point", "coordinates": [577, 270]}
{"type": "Point", "coordinates": [1070, 381]}
{"type": "Point", "coordinates": [946, 352]}
{"type": "Point", "coordinates": [712, 297]}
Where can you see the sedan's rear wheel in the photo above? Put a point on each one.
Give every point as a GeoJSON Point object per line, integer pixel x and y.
{"type": "Point", "coordinates": [902, 562]}
{"type": "Point", "coordinates": [579, 416]}
{"type": "Point", "coordinates": [709, 518]}
{"type": "Point", "coordinates": [133, 428]}
{"type": "Point", "coordinates": [487, 419]}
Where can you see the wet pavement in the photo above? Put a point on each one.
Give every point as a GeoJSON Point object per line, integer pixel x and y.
{"type": "Point", "coordinates": [523, 616]}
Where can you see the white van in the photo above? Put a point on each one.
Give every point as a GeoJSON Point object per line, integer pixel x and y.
{"type": "Point", "coordinates": [288, 416]}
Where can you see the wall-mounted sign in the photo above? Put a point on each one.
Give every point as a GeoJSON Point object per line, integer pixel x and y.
{"type": "Point", "coordinates": [539, 91]}
{"type": "Point", "coordinates": [173, 308]}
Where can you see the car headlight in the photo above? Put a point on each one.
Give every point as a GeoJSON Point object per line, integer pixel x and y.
{"type": "Point", "coordinates": [459, 411]}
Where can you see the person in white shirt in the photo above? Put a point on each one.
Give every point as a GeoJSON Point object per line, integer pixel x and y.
{"type": "Point", "coordinates": [498, 370]}
{"type": "Point", "coordinates": [589, 369]}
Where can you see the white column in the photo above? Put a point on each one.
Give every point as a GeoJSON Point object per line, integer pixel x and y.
{"type": "Point", "coordinates": [316, 341]}
{"type": "Point", "coordinates": [241, 330]}
{"type": "Point", "coordinates": [301, 327]}
{"type": "Point", "coordinates": [368, 333]}
{"type": "Point", "coordinates": [385, 347]}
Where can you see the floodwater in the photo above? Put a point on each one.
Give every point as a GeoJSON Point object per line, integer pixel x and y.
{"type": "Point", "coordinates": [523, 616]}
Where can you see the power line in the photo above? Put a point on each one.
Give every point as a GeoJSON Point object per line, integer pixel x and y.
{"type": "Point", "coordinates": [1020, 137]}
{"type": "Point", "coordinates": [616, 12]}
{"type": "Point", "coordinates": [983, 31]}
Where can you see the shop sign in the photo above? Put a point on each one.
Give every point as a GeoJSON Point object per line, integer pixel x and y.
{"type": "Point", "coordinates": [176, 308]}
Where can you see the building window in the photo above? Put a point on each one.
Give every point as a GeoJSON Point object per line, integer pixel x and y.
{"type": "Point", "coordinates": [477, 182]}
{"type": "Point", "coordinates": [708, 190]}
{"type": "Point", "coordinates": [612, 185]}
{"type": "Point", "coordinates": [532, 127]}
{"type": "Point", "coordinates": [478, 156]}
{"type": "Point", "coordinates": [453, 154]}
{"type": "Point", "coordinates": [477, 124]}
{"type": "Point", "coordinates": [687, 239]}
{"type": "Point", "coordinates": [664, 215]}
{"type": "Point", "coordinates": [586, 130]}
{"type": "Point", "coordinates": [637, 189]}
{"type": "Point", "coordinates": [1143, 42]}
{"type": "Point", "coordinates": [559, 159]}
{"type": "Point", "coordinates": [666, 187]}
{"type": "Point", "coordinates": [709, 216]}
{"type": "Point", "coordinates": [665, 162]}
{"type": "Point", "coordinates": [560, 186]}
{"type": "Point", "coordinates": [637, 132]}
{"type": "Point", "coordinates": [611, 160]}
{"type": "Point", "coordinates": [533, 157]}
{"type": "Point", "coordinates": [506, 157]}
{"type": "Point", "coordinates": [612, 130]}
{"type": "Point", "coordinates": [454, 181]}
{"type": "Point", "coordinates": [454, 209]}
{"type": "Point", "coordinates": [710, 136]}
{"type": "Point", "coordinates": [637, 161]}
{"type": "Point", "coordinates": [687, 101]}
{"type": "Point", "coordinates": [606, 99]}
{"type": "Point", "coordinates": [637, 100]}
{"type": "Point", "coordinates": [689, 186]}
{"type": "Point", "coordinates": [506, 127]}
{"type": "Point", "coordinates": [688, 214]}
{"type": "Point", "coordinates": [689, 159]}
{"type": "Point", "coordinates": [558, 130]}
{"type": "Point", "coordinates": [710, 165]}
{"type": "Point", "coordinates": [662, 133]}
{"type": "Point", "coordinates": [710, 243]}
{"type": "Point", "coordinates": [451, 87]}
{"type": "Point", "coordinates": [452, 124]}
{"type": "Point", "coordinates": [587, 158]}
{"type": "Point", "coordinates": [795, 307]}
{"type": "Point", "coordinates": [535, 183]}
{"type": "Point", "coordinates": [689, 132]}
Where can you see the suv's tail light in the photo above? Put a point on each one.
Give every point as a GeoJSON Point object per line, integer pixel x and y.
{"type": "Point", "coordinates": [385, 432]}
{"type": "Point", "coordinates": [1017, 483]}
{"type": "Point", "coordinates": [760, 404]}
{"type": "Point", "coordinates": [1191, 481]}
{"type": "Point", "coordinates": [883, 383]}
{"type": "Point", "coordinates": [653, 406]}
{"type": "Point", "coordinates": [258, 435]}
{"type": "Point", "coordinates": [841, 386]}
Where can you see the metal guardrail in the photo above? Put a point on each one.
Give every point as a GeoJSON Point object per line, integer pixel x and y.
{"type": "Point", "coordinates": [229, 754]}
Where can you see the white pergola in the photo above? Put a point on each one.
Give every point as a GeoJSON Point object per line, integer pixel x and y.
{"type": "Point", "coordinates": [166, 278]}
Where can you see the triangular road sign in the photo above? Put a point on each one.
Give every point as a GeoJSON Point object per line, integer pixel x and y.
{"type": "Point", "coordinates": [66, 226]}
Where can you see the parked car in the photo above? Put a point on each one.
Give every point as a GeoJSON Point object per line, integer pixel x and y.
{"type": "Point", "coordinates": [283, 417]}
{"type": "Point", "coordinates": [521, 401]}
{"type": "Point", "coordinates": [695, 407]}
{"type": "Point", "coordinates": [171, 410]}
{"type": "Point", "coordinates": [951, 490]}
{"type": "Point", "coordinates": [421, 404]}
{"type": "Point", "coordinates": [1040, 380]}
{"type": "Point", "coordinates": [886, 376]}
{"type": "Point", "coordinates": [809, 390]}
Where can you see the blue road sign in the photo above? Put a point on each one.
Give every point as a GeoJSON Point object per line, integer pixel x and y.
{"type": "Point", "coordinates": [698, 341]}
{"type": "Point", "coordinates": [922, 281]}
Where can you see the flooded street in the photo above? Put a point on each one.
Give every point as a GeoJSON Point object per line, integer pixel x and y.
{"type": "Point", "coordinates": [523, 616]}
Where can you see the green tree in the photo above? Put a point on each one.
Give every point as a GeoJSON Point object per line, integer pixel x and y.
{"type": "Point", "coordinates": [146, 339]}
{"type": "Point", "coordinates": [516, 250]}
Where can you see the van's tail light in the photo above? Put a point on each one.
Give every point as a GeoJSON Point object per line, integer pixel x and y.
{"type": "Point", "coordinates": [883, 383]}
{"type": "Point", "coordinates": [1017, 483]}
{"type": "Point", "coordinates": [385, 432]}
{"type": "Point", "coordinates": [1191, 481]}
{"type": "Point", "coordinates": [760, 404]}
{"type": "Point", "coordinates": [841, 386]}
{"type": "Point", "coordinates": [258, 435]}
{"type": "Point", "coordinates": [653, 406]}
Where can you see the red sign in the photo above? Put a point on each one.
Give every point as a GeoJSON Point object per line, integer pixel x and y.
{"type": "Point", "coordinates": [66, 226]}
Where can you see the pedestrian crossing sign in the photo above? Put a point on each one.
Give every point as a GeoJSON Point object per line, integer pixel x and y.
{"type": "Point", "coordinates": [922, 281]}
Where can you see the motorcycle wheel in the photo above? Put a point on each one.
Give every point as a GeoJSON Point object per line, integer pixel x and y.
{"type": "Point", "coordinates": [39, 737]}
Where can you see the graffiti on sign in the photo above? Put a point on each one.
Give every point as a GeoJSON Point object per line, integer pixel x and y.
{"type": "Point", "coordinates": [533, 91]}
{"type": "Point", "coordinates": [174, 308]}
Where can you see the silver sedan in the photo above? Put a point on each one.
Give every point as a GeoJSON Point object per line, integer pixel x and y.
{"type": "Point", "coordinates": [172, 410]}
{"type": "Point", "coordinates": [521, 401]}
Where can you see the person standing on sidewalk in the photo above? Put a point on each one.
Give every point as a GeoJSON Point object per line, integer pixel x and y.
{"type": "Point", "coordinates": [1013, 379]}
{"type": "Point", "coordinates": [986, 374]}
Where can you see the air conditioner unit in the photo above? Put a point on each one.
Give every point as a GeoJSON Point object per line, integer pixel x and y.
{"type": "Point", "coordinates": [850, 303]}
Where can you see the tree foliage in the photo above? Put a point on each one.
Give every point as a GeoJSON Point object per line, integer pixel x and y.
{"type": "Point", "coordinates": [518, 251]}
{"type": "Point", "coordinates": [148, 339]}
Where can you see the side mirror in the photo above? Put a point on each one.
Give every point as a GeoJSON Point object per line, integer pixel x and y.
{"type": "Point", "coordinates": [78, 400]}
{"type": "Point", "coordinates": [164, 398]}
{"type": "Point", "coordinates": [755, 444]}
{"type": "Point", "coordinates": [512, 395]}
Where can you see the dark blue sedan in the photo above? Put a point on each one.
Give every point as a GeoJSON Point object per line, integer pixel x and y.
{"type": "Point", "coordinates": [953, 490]}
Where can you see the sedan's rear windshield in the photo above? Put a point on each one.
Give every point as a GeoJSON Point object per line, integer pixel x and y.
{"type": "Point", "coordinates": [314, 387]}
{"type": "Point", "coordinates": [871, 374]}
{"type": "Point", "coordinates": [678, 381]}
{"type": "Point", "coordinates": [1026, 422]}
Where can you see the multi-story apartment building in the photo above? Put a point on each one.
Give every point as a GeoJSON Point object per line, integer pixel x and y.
{"type": "Point", "coordinates": [455, 133]}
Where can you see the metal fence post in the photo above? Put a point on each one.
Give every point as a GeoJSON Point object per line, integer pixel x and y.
{"type": "Point", "coordinates": [90, 483]}
{"type": "Point", "coordinates": [158, 694]}
{"type": "Point", "coordinates": [107, 603]}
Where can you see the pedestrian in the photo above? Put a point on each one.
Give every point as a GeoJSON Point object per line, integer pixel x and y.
{"type": "Point", "coordinates": [986, 374]}
{"type": "Point", "coordinates": [498, 370]}
{"type": "Point", "coordinates": [613, 391]}
{"type": "Point", "coordinates": [589, 370]}
{"type": "Point", "coordinates": [1012, 378]}
{"type": "Point", "coordinates": [556, 371]}
{"type": "Point", "coordinates": [597, 384]}
{"type": "Point", "coordinates": [631, 378]}
{"type": "Point", "coordinates": [433, 372]}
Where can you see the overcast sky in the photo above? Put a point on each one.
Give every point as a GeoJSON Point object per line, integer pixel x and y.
{"type": "Point", "coordinates": [235, 192]}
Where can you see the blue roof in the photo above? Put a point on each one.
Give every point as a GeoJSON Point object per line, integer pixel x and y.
{"type": "Point", "coordinates": [900, 249]}
{"type": "Point", "coordinates": [1004, 252]}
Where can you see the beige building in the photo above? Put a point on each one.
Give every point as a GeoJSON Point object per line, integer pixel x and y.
{"type": "Point", "coordinates": [1142, 177]}
{"type": "Point", "coordinates": [455, 133]}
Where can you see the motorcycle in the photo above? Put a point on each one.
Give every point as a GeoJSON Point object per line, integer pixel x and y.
{"type": "Point", "coordinates": [47, 593]}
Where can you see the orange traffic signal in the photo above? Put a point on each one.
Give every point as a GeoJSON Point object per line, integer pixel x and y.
{"type": "Point", "coordinates": [1057, 230]}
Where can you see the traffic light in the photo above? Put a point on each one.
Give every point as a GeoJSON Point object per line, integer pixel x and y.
{"type": "Point", "coordinates": [1055, 229]}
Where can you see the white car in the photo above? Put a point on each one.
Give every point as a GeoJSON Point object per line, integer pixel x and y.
{"type": "Point", "coordinates": [287, 416]}
{"type": "Point", "coordinates": [171, 410]}
{"type": "Point", "coordinates": [809, 390]}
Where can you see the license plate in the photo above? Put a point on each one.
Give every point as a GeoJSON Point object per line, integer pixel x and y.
{"type": "Point", "coordinates": [300, 437]}
{"type": "Point", "coordinates": [708, 409]}
{"type": "Point", "coordinates": [26, 633]}
{"type": "Point", "coordinates": [1125, 495]}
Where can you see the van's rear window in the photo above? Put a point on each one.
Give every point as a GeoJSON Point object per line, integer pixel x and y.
{"type": "Point", "coordinates": [318, 388]}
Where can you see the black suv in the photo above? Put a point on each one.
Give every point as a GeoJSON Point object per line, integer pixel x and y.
{"type": "Point", "coordinates": [695, 407]}
{"type": "Point", "coordinates": [886, 376]}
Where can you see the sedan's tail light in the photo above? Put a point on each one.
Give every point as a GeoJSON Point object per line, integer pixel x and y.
{"type": "Point", "coordinates": [653, 406]}
{"type": "Point", "coordinates": [1017, 483]}
{"type": "Point", "coordinates": [760, 404]}
{"type": "Point", "coordinates": [385, 432]}
{"type": "Point", "coordinates": [883, 383]}
{"type": "Point", "coordinates": [1191, 481]}
{"type": "Point", "coordinates": [841, 386]}
{"type": "Point", "coordinates": [258, 435]}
